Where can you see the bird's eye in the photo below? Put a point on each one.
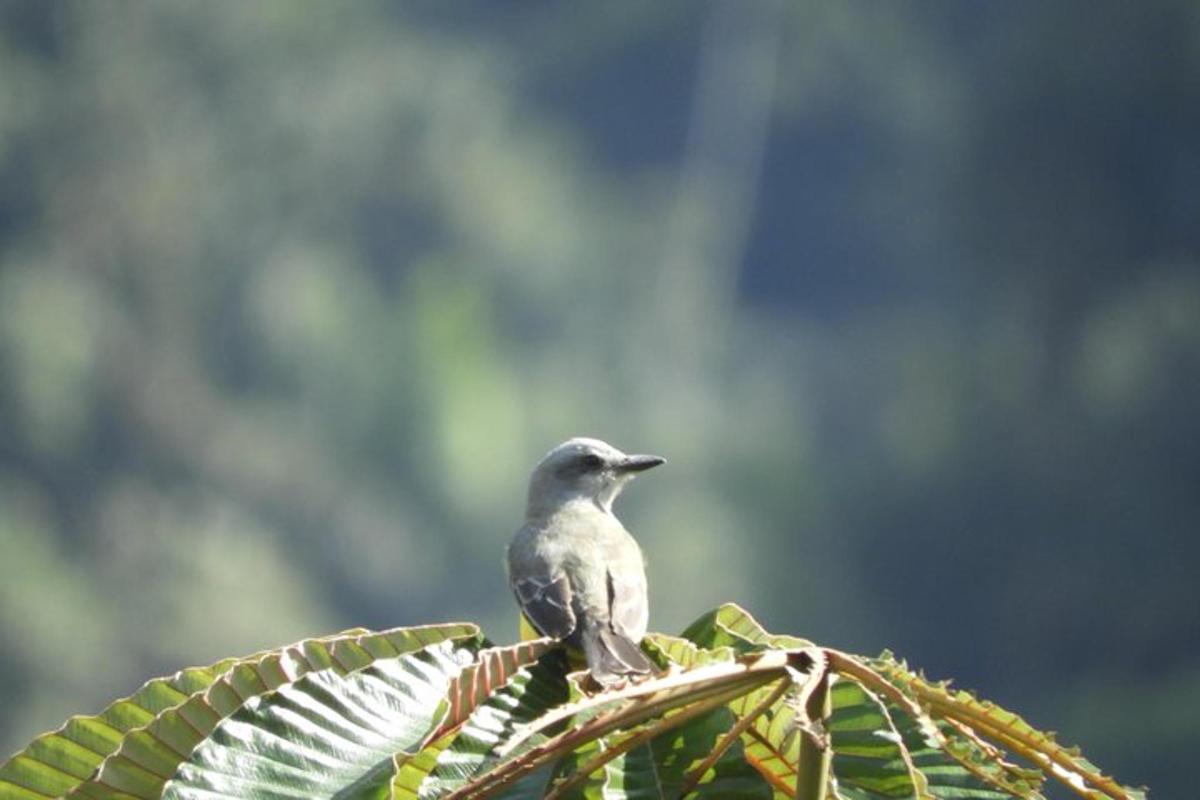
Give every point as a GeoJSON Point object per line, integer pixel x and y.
{"type": "Point", "coordinates": [591, 462]}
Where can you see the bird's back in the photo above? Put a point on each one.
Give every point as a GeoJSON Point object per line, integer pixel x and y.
{"type": "Point", "coordinates": [589, 546]}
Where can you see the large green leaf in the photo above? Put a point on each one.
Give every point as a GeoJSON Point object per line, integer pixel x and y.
{"type": "Point", "coordinates": [57, 762]}
{"type": "Point", "coordinates": [771, 743]}
{"type": "Point", "coordinates": [663, 766]}
{"type": "Point", "coordinates": [325, 732]}
{"type": "Point", "coordinates": [970, 775]}
{"type": "Point", "coordinates": [197, 728]}
{"type": "Point", "coordinates": [777, 735]}
{"type": "Point", "coordinates": [870, 759]}
{"type": "Point", "coordinates": [413, 772]}
{"type": "Point", "coordinates": [733, 774]}
{"type": "Point", "coordinates": [493, 727]}
{"type": "Point", "coordinates": [492, 669]}
{"type": "Point", "coordinates": [730, 625]}
{"type": "Point", "coordinates": [474, 686]}
{"type": "Point", "coordinates": [970, 724]}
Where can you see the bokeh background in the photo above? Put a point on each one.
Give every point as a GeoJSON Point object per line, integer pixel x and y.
{"type": "Point", "coordinates": [293, 294]}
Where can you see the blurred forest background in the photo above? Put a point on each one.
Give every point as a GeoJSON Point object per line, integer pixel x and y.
{"type": "Point", "coordinates": [293, 295]}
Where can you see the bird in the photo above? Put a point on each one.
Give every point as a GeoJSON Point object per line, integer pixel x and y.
{"type": "Point", "coordinates": [577, 574]}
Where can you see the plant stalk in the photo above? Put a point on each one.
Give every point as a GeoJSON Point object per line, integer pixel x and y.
{"type": "Point", "coordinates": [812, 772]}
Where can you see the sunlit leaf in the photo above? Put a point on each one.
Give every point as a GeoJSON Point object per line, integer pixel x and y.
{"type": "Point", "coordinates": [150, 756]}
{"type": "Point", "coordinates": [430, 712]}
{"type": "Point", "coordinates": [731, 625]}
{"type": "Point", "coordinates": [494, 726]}
{"type": "Point", "coordinates": [988, 721]}
{"type": "Point", "coordinates": [56, 762]}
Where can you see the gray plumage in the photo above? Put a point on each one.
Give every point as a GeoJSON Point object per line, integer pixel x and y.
{"type": "Point", "coordinates": [577, 574]}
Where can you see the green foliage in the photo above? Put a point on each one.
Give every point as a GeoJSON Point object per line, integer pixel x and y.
{"type": "Point", "coordinates": [433, 713]}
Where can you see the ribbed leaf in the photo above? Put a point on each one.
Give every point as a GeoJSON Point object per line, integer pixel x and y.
{"type": "Point", "coordinates": [989, 721]}
{"type": "Point", "coordinates": [329, 732]}
{"type": "Point", "coordinates": [949, 777]}
{"type": "Point", "coordinates": [323, 733]}
{"type": "Point", "coordinates": [720, 636]}
{"type": "Point", "coordinates": [731, 625]}
{"type": "Point", "coordinates": [868, 752]}
{"type": "Point", "coordinates": [659, 769]}
{"type": "Point", "coordinates": [410, 771]}
{"type": "Point", "coordinates": [669, 651]}
{"type": "Point", "coordinates": [494, 726]}
{"type": "Point", "coordinates": [149, 756]}
{"type": "Point", "coordinates": [56, 763]}
{"type": "Point", "coordinates": [770, 744]}
{"type": "Point", "coordinates": [492, 669]}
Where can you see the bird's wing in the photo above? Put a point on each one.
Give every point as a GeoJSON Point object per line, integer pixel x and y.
{"type": "Point", "coordinates": [546, 602]}
{"type": "Point", "coordinates": [628, 604]}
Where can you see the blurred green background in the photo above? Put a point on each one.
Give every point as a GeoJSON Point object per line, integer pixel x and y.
{"type": "Point", "coordinates": [293, 294]}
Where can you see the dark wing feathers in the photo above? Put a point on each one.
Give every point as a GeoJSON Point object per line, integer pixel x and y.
{"type": "Point", "coordinates": [610, 645]}
{"type": "Point", "coordinates": [547, 604]}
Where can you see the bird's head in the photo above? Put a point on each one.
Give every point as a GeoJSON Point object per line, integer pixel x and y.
{"type": "Point", "coordinates": [586, 469]}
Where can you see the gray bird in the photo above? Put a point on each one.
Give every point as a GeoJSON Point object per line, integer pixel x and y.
{"type": "Point", "coordinates": [576, 572]}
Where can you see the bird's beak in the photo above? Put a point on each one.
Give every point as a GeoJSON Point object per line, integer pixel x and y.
{"type": "Point", "coordinates": [639, 463]}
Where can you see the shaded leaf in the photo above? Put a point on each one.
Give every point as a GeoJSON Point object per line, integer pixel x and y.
{"type": "Point", "coordinates": [869, 754]}
{"type": "Point", "coordinates": [768, 745]}
{"type": "Point", "coordinates": [658, 769]}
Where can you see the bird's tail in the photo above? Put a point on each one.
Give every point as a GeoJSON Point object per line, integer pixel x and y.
{"type": "Point", "coordinates": [612, 657]}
